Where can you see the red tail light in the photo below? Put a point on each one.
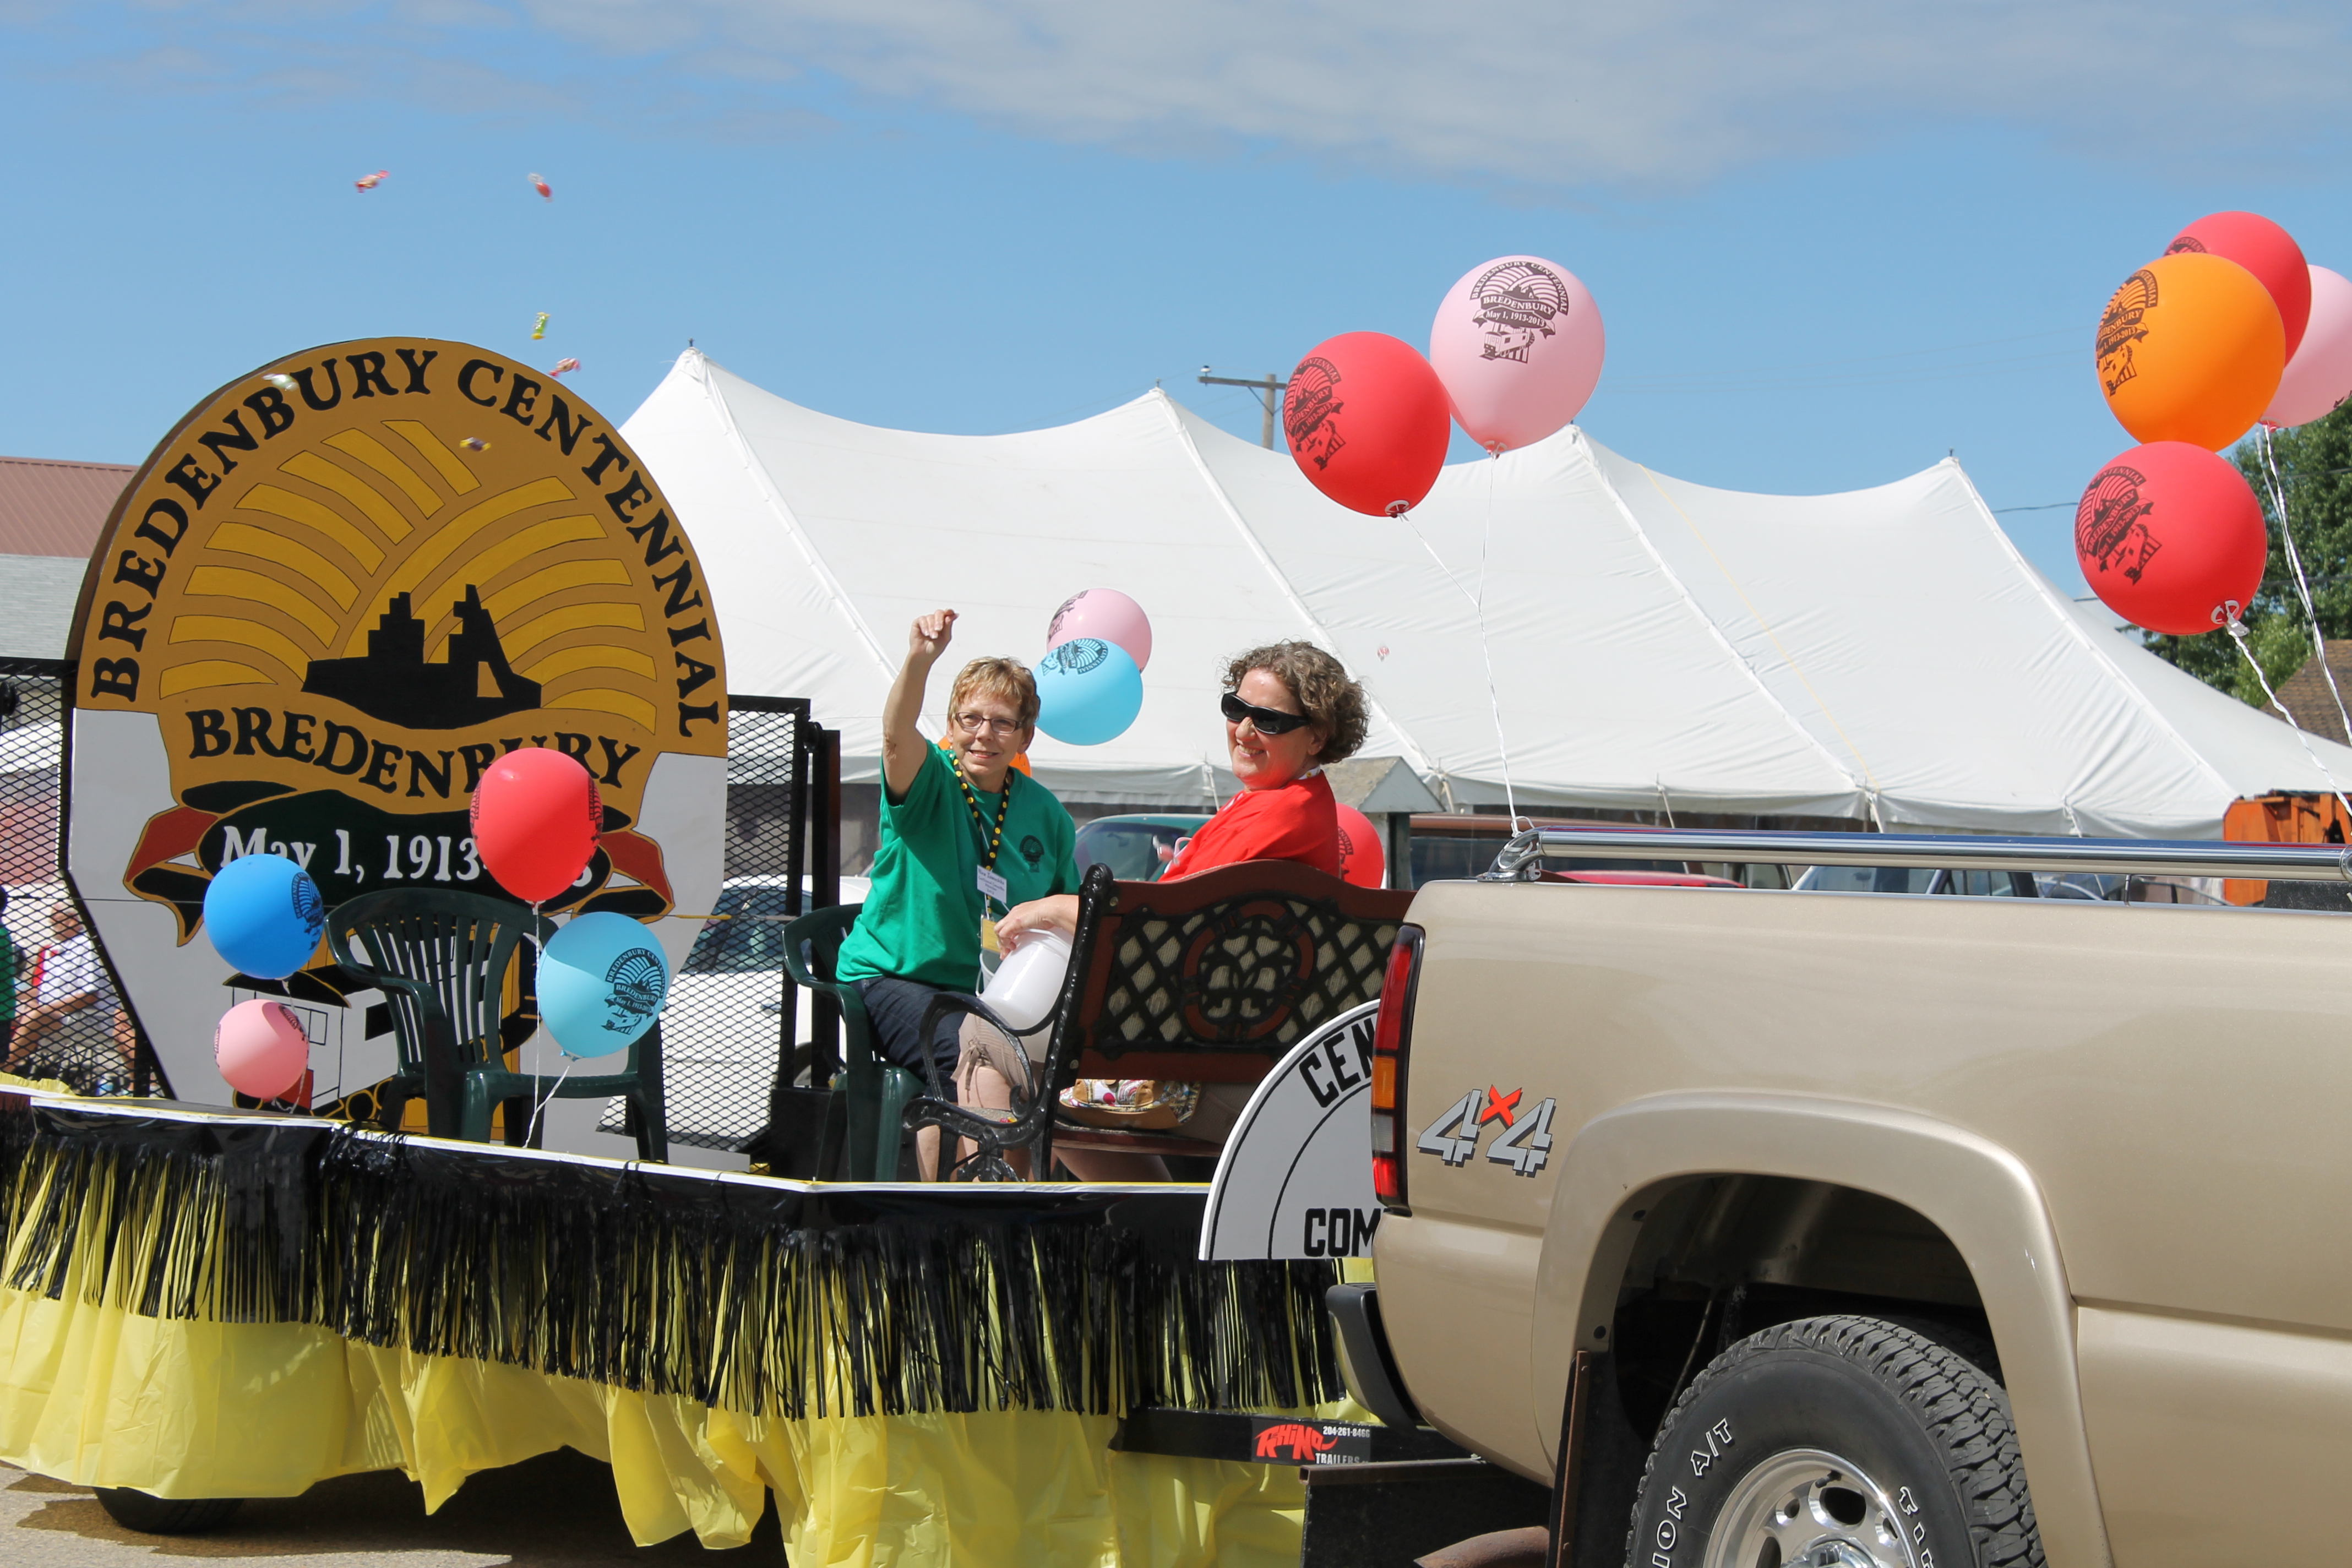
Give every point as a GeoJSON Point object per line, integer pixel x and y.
{"type": "Point", "coordinates": [1391, 1039]}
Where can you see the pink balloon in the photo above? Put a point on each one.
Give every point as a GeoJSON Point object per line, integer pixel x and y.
{"type": "Point", "coordinates": [261, 1048]}
{"type": "Point", "coordinates": [1107, 613]}
{"type": "Point", "coordinates": [2319, 377]}
{"type": "Point", "coordinates": [1519, 344]}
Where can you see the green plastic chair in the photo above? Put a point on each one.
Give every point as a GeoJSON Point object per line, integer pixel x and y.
{"type": "Point", "coordinates": [441, 957]}
{"type": "Point", "coordinates": [879, 1092]}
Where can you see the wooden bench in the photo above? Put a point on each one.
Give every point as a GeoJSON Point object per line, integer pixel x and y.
{"type": "Point", "coordinates": [1212, 979]}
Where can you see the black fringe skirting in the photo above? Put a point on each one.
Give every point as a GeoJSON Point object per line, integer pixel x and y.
{"type": "Point", "coordinates": [767, 1298]}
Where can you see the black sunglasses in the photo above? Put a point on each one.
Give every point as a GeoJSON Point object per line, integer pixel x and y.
{"type": "Point", "coordinates": [1269, 721]}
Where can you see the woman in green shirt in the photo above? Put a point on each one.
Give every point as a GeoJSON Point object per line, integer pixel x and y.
{"type": "Point", "coordinates": [965, 836]}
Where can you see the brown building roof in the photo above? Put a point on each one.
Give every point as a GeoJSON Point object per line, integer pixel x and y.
{"type": "Point", "coordinates": [2306, 696]}
{"type": "Point", "coordinates": [56, 508]}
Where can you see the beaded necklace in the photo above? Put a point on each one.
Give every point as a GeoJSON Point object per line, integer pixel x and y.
{"type": "Point", "coordinates": [991, 836]}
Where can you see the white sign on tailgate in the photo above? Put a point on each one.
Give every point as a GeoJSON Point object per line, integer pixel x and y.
{"type": "Point", "coordinates": [1296, 1179]}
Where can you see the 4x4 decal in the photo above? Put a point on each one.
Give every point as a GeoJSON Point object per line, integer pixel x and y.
{"type": "Point", "coordinates": [1526, 1141]}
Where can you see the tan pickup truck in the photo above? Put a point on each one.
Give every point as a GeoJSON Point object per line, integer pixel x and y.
{"type": "Point", "coordinates": [1869, 1231]}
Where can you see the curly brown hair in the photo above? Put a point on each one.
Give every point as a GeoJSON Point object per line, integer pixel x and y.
{"type": "Point", "coordinates": [1006, 678]}
{"type": "Point", "coordinates": [1319, 685]}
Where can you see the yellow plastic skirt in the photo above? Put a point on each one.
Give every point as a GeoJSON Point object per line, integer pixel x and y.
{"type": "Point", "coordinates": [100, 1396]}
{"type": "Point", "coordinates": [184, 1403]}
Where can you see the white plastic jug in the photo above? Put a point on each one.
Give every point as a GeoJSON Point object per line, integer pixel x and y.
{"type": "Point", "coordinates": [1025, 985]}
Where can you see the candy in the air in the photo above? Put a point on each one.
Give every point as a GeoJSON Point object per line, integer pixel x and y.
{"type": "Point", "coordinates": [539, 183]}
{"type": "Point", "coordinates": [283, 382]}
{"type": "Point", "coordinates": [562, 365]}
{"type": "Point", "coordinates": [370, 181]}
{"type": "Point", "coordinates": [539, 328]}
{"type": "Point", "coordinates": [474, 444]}
{"type": "Point", "coordinates": [1382, 651]}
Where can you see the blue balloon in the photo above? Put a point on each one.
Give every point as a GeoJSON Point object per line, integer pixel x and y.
{"type": "Point", "coordinates": [1089, 691]}
{"type": "Point", "coordinates": [601, 984]}
{"type": "Point", "coordinates": [264, 915]}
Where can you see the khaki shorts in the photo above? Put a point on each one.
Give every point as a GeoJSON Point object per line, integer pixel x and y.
{"type": "Point", "coordinates": [984, 1045]}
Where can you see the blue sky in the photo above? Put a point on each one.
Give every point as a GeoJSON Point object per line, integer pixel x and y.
{"type": "Point", "coordinates": [1831, 241]}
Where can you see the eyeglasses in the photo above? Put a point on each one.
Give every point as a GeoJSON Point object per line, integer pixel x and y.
{"type": "Point", "coordinates": [1269, 721]}
{"type": "Point", "coordinates": [973, 723]}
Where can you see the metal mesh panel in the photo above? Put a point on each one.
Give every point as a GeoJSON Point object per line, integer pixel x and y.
{"type": "Point", "coordinates": [732, 1015]}
{"type": "Point", "coordinates": [64, 1015]}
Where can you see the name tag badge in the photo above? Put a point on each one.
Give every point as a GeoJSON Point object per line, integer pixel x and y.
{"type": "Point", "coordinates": [992, 884]}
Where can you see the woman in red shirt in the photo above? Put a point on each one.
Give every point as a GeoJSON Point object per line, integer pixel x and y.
{"type": "Point", "coordinates": [1289, 709]}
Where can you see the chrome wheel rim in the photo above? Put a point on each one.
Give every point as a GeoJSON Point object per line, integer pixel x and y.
{"type": "Point", "coordinates": [1808, 1507]}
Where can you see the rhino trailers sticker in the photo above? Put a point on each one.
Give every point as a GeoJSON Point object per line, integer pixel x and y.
{"type": "Point", "coordinates": [1288, 1440]}
{"type": "Point", "coordinates": [1524, 1143]}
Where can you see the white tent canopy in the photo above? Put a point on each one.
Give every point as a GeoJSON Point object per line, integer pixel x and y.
{"type": "Point", "coordinates": [1885, 652]}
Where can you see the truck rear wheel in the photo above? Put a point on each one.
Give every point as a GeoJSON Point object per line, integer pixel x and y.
{"type": "Point", "coordinates": [1838, 1442]}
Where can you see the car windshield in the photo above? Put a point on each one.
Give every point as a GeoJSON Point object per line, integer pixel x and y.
{"type": "Point", "coordinates": [1131, 849]}
{"type": "Point", "coordinates": [748, 937]}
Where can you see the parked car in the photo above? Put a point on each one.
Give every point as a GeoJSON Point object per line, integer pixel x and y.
{"type": "Point", "coordinates": [1447, 847]}
{"type": "Point", "coordinates": [1131, 845]}
{"type": "Point", "coordinates": [2086, 885]}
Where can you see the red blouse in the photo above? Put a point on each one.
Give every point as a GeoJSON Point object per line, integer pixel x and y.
{"type": "Point", "coordinates": [1297, 821]}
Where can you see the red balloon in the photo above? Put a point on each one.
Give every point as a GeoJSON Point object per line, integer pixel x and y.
{"type": "Point", "coordinates": [2170, 538]}
{"type": "Point", "coordinates": [2264, 249]}
{"type": "Point", "coordinates": [1363, 861]}
{"type": "Point", "coordinates": [536, 816]}
{"type": "Point", "coordinates": [1368, 422]}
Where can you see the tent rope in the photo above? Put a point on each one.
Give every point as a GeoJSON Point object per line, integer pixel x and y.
{"type": "Point", "coordinates": [1477, 604]}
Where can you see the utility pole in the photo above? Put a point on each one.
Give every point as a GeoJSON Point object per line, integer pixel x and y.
{"type": "Point", "coordinates": [1269, 393]}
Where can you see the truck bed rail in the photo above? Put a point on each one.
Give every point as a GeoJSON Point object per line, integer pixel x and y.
{"type": "Point", "coordinates": [1525, 854]}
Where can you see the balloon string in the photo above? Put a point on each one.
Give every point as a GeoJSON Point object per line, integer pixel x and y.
{"type": "Point", "coordinates": [545, 1099]}
{"type": "Point", "coordinates": [2294, 560]}
{"type": "Point", "coordinates": [2238, 636]}
{"type": "Point", "coordinates": [539, 952]}
{"type": "Point", "coordinates": [1478, 605]}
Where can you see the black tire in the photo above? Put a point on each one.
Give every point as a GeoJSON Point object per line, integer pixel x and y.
{"type": "Point", "coordinates": [1876, 1424]}
{"type": "Point", "coordinates": [152, 1515]}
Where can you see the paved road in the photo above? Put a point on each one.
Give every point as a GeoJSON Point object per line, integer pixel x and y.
{"type": "Point", "coordinates": [556, 1509]}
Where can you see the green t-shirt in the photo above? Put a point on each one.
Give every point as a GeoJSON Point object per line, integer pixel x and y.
{"type": "Point", "coordinates": [8, 977]}
{"type": "Point", "coordinates": [922, 914]}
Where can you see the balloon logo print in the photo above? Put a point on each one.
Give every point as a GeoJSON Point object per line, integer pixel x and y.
{"type": "Point", "coordinates": [1308, 409]}
{"type": "Point", "coordinates": [1079, 655]}
{"type": "Point", "coordinates": [308, 908]}
{"type": "Point", "coordinates": [638, 981]}
{"type": "Point", "coordinates": [1518, 303]}
{"type": "Point", "coordinates": [1054, 629]}
{"type": "Point", "coordinates": [2109, 526]}
{"type": "Point", "coordinates": [2124, 325]}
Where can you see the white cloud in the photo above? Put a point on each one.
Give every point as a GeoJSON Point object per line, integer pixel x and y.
{"type": "Point", "coordinates": [1549, 95]}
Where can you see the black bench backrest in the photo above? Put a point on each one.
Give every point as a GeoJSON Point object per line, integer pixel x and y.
{"type": "Point", "coordinates": [1214, 977]}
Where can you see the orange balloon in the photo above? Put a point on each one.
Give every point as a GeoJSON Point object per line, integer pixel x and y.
{"type": "Point", "coordinates": [2190, 349]}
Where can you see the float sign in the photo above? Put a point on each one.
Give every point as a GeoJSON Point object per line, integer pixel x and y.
{"type": "Point", "coordinates": [340, 588]}
{"type": "Point", "coordinates": [1296, 1178]}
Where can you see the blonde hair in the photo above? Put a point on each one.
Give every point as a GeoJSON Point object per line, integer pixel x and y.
{"type": "Point", "coordinates": [1319, 685]}
{"type": "Point", "coordinates": [1006, 678]}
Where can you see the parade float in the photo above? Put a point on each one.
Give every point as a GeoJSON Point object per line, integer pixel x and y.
{"type": "Point", "coordinates": [354, 597]}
